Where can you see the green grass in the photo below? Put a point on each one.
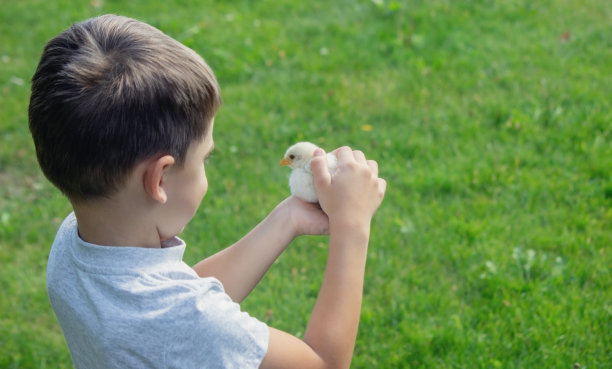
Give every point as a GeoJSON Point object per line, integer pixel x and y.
{"type": "Point", "coordinates": [491, 121]}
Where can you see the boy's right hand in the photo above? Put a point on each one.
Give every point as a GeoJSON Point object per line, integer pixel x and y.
{"type": "Point", "coordinates": [353, 194]}
{"type": "Point", "coordinates": [349, 197]}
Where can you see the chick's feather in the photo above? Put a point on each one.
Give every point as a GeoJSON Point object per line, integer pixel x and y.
{"type": "Point", "coordinates": [301, 182]}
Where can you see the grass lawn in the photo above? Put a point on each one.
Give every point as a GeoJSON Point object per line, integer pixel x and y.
{"type": "Point", "coordinates": [491, 121]}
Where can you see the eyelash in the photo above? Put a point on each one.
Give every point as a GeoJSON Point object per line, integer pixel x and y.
{"type": "Point", "coordinates": [207, 158]}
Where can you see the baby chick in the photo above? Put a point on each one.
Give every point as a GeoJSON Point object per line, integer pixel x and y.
{"type": "Point", "coordinates": [301, 182]}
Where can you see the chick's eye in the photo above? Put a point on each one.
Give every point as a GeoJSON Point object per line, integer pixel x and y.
{"type": "Point", "coordinates": [291, 156]}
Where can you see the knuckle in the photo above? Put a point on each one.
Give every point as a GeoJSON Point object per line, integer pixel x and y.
{"type": "Point", "coordinates": [342, 149]}
{"type": "Point", "coordinates": [351, 165]}
{"type": "Point", "coordinates": [316, 161]}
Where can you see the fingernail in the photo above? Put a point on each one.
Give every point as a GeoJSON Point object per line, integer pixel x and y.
{"type": "Point", "coordinates": [318, 152]}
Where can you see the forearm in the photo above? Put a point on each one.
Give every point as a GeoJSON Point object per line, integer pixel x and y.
{"type": "Point", "coordinates": [241, 266]}
{"type": "Point", "coordinates": [334, 322]}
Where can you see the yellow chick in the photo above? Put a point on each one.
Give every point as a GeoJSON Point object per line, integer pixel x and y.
{"type": "Point", "coordinates": [298, 159]}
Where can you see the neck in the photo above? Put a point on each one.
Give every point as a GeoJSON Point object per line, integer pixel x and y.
{"type": "Point", "coordinates": [116, 222]}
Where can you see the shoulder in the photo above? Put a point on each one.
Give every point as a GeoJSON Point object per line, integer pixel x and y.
{"type": "Point", "coordinates": [208, 327]}
{"type": "Point", "coordinates": [67, 229]}
{"type": "Point", "coordinates": [63, 238]}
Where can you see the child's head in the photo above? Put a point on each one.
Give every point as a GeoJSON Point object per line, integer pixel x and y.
{"type": "Point", "coordinates": [110, 92]}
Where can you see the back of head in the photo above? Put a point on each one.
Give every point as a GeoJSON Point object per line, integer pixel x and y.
{"type": "Point", "coordinates": [110, 92]}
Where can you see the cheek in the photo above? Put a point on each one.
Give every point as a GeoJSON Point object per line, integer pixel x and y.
{"type": "Point", "coordinates": [203, 187]}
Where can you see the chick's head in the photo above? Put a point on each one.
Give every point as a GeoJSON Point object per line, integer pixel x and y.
{"type": "Point", "coordinates": [298, 155]}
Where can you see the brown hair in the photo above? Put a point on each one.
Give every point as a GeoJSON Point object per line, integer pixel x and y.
{"type": "Point", "coordinates": [110, 92]}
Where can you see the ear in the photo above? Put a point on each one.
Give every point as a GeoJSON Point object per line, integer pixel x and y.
{"type": "Point", "coordinates": [153, 178]}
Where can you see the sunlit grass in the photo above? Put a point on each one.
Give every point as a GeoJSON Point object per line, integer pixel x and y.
{"type": "Point", "coordinates": [490, 121]}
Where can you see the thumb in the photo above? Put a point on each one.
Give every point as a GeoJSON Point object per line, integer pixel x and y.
{"type": "Point", "coordinates": [320, 173]}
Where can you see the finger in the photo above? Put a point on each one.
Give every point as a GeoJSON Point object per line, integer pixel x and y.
{"type": "Point", "coordinates": [382, 186]}
{"type": "Point", "coordinates": [344, 153]}
{"type": "Point", "coordinates": [335, 152]}
{"type": "Point", "coordinates": [318, 165]}
{"type": "Point", "coordinates": [359, 156]}
{"type": "Point", "coordinates": [373, 166]}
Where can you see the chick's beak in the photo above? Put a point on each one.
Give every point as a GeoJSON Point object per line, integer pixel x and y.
{"type": "Point", "coordinates": [284, 161]}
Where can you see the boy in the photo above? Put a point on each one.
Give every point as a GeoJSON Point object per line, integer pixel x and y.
{"type": "Point", "coordinates": [122, 120]}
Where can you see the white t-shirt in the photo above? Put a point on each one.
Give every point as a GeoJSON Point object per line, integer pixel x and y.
{"type": "Point", "coordinates": [132, 307]}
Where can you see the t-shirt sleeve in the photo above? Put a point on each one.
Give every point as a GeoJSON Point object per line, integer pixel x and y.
{"type": "Point", "coordinates": [210, 331]}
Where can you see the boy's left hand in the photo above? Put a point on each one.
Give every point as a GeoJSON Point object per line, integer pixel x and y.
{"type": "Point", "coordinates": [307, 218]}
